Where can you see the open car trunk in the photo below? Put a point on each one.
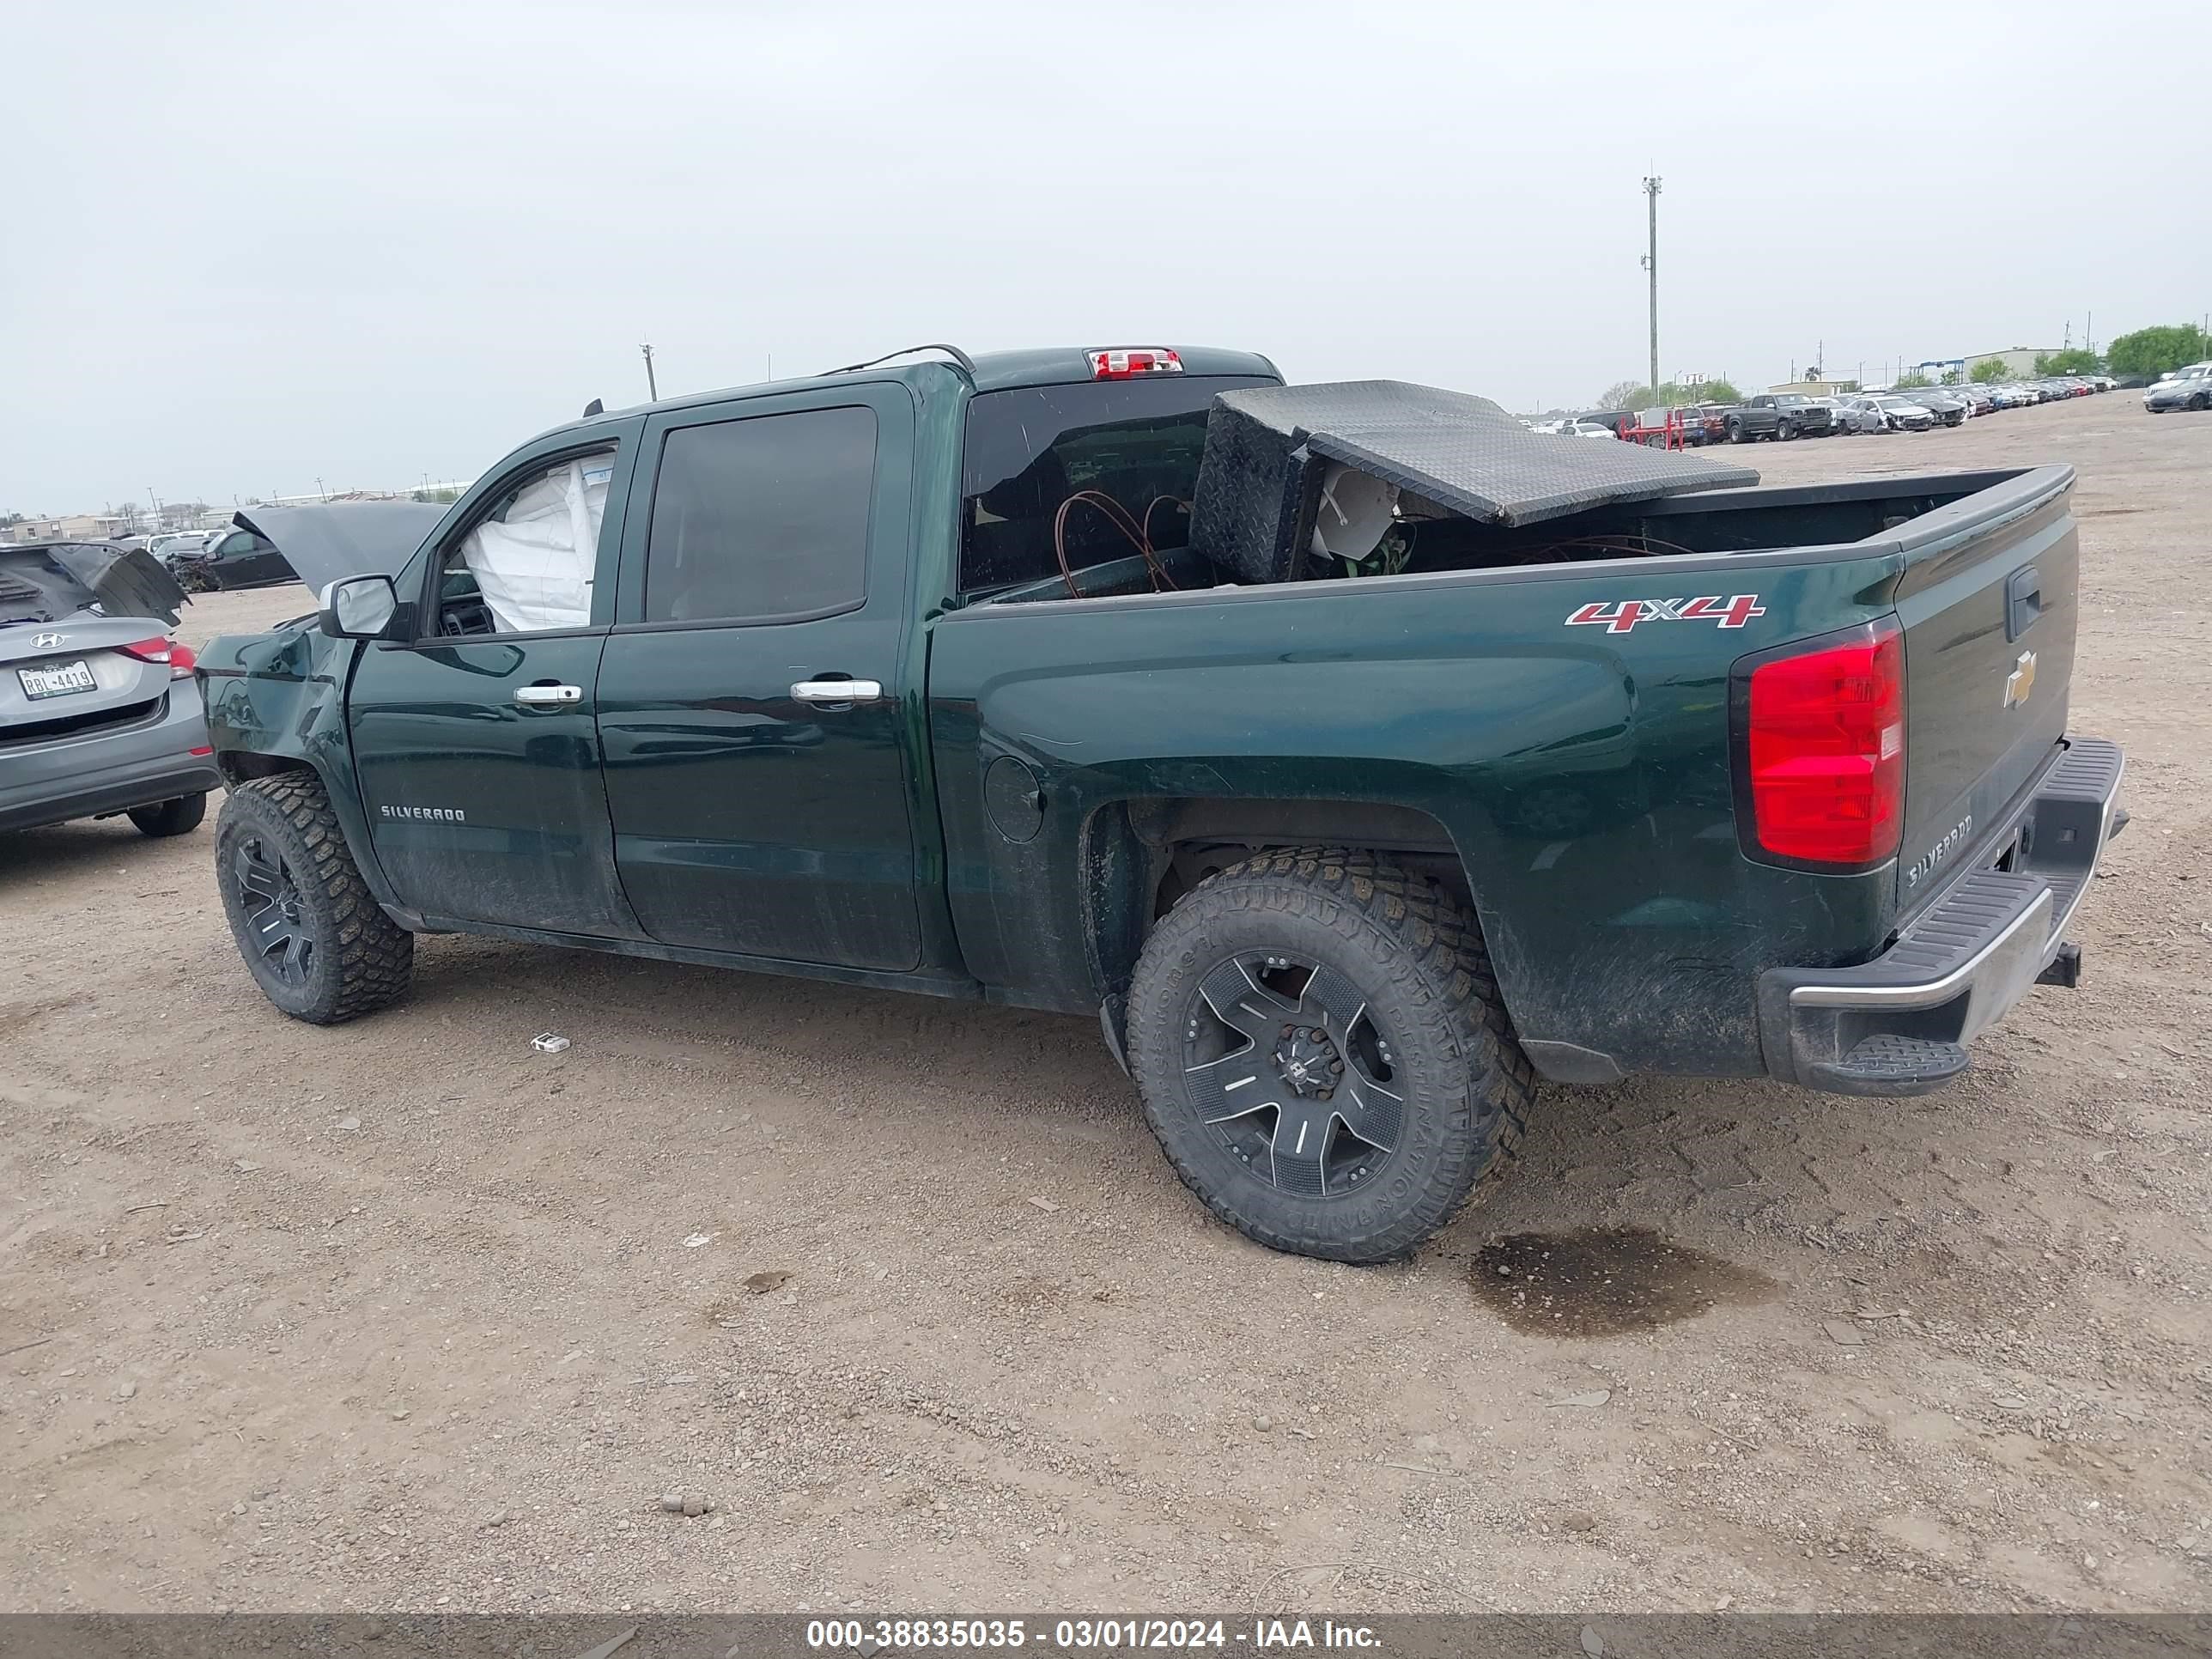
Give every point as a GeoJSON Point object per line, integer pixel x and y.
{"type": "Point", "coordinates": [47, 581]}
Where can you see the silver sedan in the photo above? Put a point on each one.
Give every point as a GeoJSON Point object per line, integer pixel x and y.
{"type": "Point", "coordinates": [99, 712]}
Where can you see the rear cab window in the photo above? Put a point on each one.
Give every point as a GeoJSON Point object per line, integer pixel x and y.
{"type": "Point", "coordinates": [1027, 450]}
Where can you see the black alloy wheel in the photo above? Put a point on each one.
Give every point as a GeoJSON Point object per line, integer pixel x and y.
{"type": "Point", "coordinates": [1323, 1053]}
{"type": "Point", "coordinates": [1285, 1063]}
{"type": "Point", "coordinates": [312, 933]}
{"type": "Point", "coordinates": [269, 901]}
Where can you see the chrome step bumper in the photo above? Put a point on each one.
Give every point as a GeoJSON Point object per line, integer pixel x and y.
{"type": "Point", "coordinates": [1900, 1023]}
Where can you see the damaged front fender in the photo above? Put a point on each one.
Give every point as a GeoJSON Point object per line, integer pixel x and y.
{"type": "Point", "coordinates": [276, 702]}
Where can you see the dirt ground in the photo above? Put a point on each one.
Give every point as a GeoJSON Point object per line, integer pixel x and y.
{"type": "Point", "coordinates": [406, 1314]}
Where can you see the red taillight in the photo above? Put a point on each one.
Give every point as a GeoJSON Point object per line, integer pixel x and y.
{"type": "Point", "coordinates": [1826, 750]}
{"type": "Point", "coordinates": [1122, 363]}
{"type": "Point", "coordinates": [179, 657]}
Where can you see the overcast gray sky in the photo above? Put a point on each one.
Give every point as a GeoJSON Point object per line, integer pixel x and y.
{"type": "Point", "coordinates": [249, 245]}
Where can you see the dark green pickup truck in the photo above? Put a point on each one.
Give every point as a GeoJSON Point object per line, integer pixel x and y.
{"type": "Point", "coordinates": [902, 676]}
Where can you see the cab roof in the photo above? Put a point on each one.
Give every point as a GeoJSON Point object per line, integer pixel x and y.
{"type": "Point", "coordinates": [988, 371]}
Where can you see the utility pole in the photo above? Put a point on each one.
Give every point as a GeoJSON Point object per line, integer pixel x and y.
{"type": "Point", "coordinates": [1651, 265]}
{"type": "Point", "coordinates": [652, 391]}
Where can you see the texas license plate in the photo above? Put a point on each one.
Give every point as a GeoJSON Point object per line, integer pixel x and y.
{"type": "Point", "coordinates": [58, 679]}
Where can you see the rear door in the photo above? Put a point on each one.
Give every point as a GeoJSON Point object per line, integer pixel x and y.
{"type": "Point", "coordinates": [758, 807]}
{"type": "Point", "coordinates": [1988, 605]}
{"type": "Point", "coordinates": [476, 742]}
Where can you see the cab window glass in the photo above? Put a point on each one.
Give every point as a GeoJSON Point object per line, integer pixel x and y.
{"type": "Point", "coordinates": [762, 519]}
{"type": "Point", "coordinates": [527, 565]}
{"type": "Point", "coordinates": [1028, 449]}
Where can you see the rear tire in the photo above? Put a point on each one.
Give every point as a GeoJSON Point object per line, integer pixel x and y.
{"type": "Point", "coordinates": [170, 818]}
{"type": "Point", "coordinates": [310, 933]}
{"type": "Point", "coordinates": [1352, 975]}
{"type": "Point", "coordinates": [2199, 402]}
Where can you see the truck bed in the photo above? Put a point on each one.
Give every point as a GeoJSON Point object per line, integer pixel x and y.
{"type": "Point", "coordinates": [1553, 704]}
{"type": "Point", "coordinates": [1815, 519]}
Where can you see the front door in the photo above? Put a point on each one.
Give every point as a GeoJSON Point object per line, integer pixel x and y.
{"type": "Point", "coordinates": [758, 807]}
{"type": "Point", "coordinates": [476, 742]}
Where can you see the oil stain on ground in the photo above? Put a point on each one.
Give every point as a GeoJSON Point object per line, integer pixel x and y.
{"type": "Point", "coordinates": [1602, 1281]}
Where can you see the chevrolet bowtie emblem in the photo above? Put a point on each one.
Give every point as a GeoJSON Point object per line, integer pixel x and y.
{"type": "Point", "coordinates": [2020, 680]}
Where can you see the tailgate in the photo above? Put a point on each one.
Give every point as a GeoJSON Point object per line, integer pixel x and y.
{"type": "Point", "coordinates": [1987, 601]}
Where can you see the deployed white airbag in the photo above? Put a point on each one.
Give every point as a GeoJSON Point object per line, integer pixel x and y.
{"type": "Point", "coordinates": [534, 564]}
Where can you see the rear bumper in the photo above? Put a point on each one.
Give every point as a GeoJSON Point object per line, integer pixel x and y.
{"type": "Point", "coordinates": [110, 771]}
{"type": "Point", "coordinates": [115, 789]}
{"type": "Point", "coordinates": [1900, 1023]}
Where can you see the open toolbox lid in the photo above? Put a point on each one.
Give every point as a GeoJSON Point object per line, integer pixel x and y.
{"type": "Point", "coordinates": [1267, 447]}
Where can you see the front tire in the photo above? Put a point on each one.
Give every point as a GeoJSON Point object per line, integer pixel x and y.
{"type": "Point", "coordinates": [1324, 1054]}
{"type": "Point", "coordinates": [310, 933]}
{"type": "Point", "coordinates": [170, 818]}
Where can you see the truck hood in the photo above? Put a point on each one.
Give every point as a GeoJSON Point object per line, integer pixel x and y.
{"type": "Point", "coordinates": [326, 541]}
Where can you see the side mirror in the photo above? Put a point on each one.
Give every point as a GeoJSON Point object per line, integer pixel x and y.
{"type": "Point", "coordinates": [359, 607]}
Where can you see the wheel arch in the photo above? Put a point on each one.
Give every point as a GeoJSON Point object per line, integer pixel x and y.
{"type": "Point", "coordinates": [241, 766]}
{"type": "Point", "coordinates": [1142, 855]}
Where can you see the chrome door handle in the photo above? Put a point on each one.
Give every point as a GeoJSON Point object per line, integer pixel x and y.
{"type": "Point", "coordinates": [548, 696]}
{"type": "Point", "coordinates": [838, 690]}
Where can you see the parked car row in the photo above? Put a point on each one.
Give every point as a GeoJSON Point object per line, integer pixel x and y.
{"type": "Point", "coordinates": [2188, 387]}
{"type": "Point", "coordinates": [1778, 417]}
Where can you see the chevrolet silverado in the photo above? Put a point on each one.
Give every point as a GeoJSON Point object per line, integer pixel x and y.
{"type": "Point", "coordinates": [906, 675]}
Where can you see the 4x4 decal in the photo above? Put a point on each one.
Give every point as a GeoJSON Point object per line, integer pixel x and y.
{"type": "Point", "coordinates": [1619, 616]}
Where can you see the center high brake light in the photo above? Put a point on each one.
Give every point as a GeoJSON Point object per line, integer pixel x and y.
{"type": "Point", "coordinates": [1127, 362]}
{"type": "Point", "coordinates": [1825, 750]}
